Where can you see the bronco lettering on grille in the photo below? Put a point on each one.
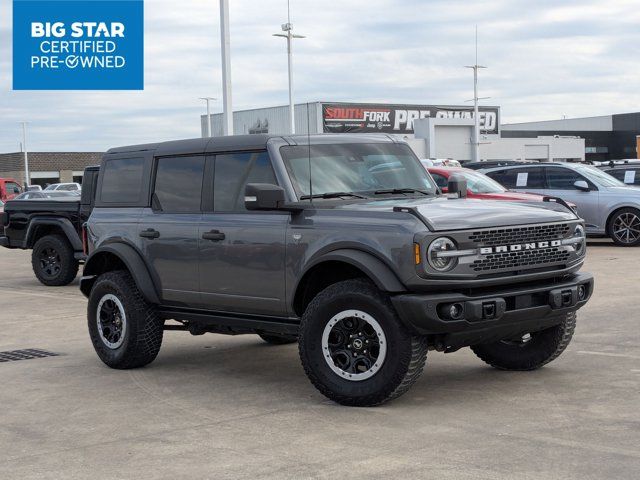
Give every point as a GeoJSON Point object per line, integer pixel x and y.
{"type": "Point", "coordinates": [520, 246]}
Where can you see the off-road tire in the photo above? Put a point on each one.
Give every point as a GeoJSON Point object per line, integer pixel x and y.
{"type": "Point", "coordinates": [630, 213]}
{"type": "Point", "coordinates": [278, 339]}
{"type": "Point", "coordinates": [544, 347]}
{"type": "Point", "coordinates": [143, 335]}
{"type": "Point", "coordinates": [67, 265]}
{"type": "Point", "coordinates": [405, 357]}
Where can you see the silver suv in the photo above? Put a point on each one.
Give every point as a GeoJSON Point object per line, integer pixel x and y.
{"type": "Point", "coordinates": [607, 205]}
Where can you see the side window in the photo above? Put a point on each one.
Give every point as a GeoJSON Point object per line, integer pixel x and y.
{"type": "Point", "coordinates": [233, 172]}
{"type": "Point", "coordinates": [178, 184]}
{"type": "Point", "coordinates": [630, 177]}
{"type": "Point", "coordinates": [559, 178]}
{"type": "Point", "coordinates": [122, 181]}
{"type": "Point", "coordinates": [519, 178]}
{"type": "Point", "coordinates": [441, 180]}
{"type": "Point", "coordinates": [11, 187]}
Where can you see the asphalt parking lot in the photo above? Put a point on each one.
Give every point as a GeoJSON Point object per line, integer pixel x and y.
{"type": "Point", "coordinates": [233, 407]}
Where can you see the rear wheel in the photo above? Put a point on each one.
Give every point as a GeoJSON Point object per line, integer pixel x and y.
{"type": "Point", "coordinates": [624, 227]}
{"type": "Point", "coordinates": [53, 261]}
{"type": "Point", "coordinates": [278, 339]}
{"type": "Point", "coordinates": [125, 330]}
{"type": "Point", "coordinates": [354, 348]}
{"type": "Point", "coordinates": [529, 351]}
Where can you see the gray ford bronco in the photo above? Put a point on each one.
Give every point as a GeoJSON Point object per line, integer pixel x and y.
{"type": "Point", "coordinates": [342, 243]}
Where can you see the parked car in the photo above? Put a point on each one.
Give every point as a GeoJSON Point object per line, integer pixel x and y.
{"type": "Point", "coordinates": [1, 206]}
{"type": "Point", "coordinates": [494, 163]}
{"type": "Point", "coordinates": [50, 224]}
{"type": "Point", "coordinates": [628, 174]}
{"type": "Point", "coordinates": [66, 187]}
{"type": "Point", "coordinates": [608, 206]}
{"type": "Point", "coordinates": [9, 188]}
{"type": "Point", "coordinates": [44, 194]}
{"type": "Point", "coordinates": [339, 242]}
{"type": "Point", "coordinates": [480, 185]}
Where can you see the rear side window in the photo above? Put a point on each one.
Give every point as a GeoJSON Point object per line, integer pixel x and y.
{"type": "Point", "coordinates": [519, 178]}
{"type": "Point", "coordinates": [233, 172]}
{"type": "Point", "coordinates": [178, 186]}
{"type": "Point", "coordinates": [559, 178]}
{"type": "Point", "coordinates": [630, 177]}
{"type": "Point", "coordinates": [122, 181]}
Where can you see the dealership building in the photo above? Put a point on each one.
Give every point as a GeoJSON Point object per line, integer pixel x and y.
{"type": "Point", "coordinates": [446, 131]}
{"type": "Point", "coordinates": [48, 167]}
{"type": "Point", "coordinates": [433, 131]}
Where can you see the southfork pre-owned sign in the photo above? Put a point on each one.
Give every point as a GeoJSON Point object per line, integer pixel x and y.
{"type": "Point", "coordinates": [376, 117]}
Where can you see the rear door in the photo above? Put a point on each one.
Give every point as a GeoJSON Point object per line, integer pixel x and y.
{"type": "Point", "coordinates": [169, 228]}
{"type": "Point", "coordinates": [560, 182]}
{"type": "Point", "coordinates": [242, 253]}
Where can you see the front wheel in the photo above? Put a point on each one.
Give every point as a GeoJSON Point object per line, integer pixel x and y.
{"type": "Point", "coordinates": [529, 351]}
{"type": "Point", "coordinates": [125, 330]}
{"type": "Point", "coordinates": [354, 348]}
{"type": "Point", "coordinates": [624, 227]}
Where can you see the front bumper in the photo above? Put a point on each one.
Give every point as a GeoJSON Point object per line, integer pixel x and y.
{"type": "Point", "coordinates": [492, 314]}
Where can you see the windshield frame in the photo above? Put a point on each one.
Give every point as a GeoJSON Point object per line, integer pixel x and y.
{"type": "Point", "coordinates": [401, 151]}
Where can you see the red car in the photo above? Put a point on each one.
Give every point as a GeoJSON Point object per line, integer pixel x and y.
{"type": "Point", "coordinates": [481, 186]}
{"type": "Point", "coordinates": [9, 188]}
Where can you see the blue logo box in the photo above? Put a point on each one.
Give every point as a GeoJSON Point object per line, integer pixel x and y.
{"type": "Point", "coordinates": [78, 45]}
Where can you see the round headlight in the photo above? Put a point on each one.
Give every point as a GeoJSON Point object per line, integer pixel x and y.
{"type": "Point", "coordinates": [437, 257]}
{"type": "Point", "coordinates": [581, 246]}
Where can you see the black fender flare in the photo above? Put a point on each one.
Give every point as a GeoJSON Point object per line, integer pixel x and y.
{"type": "Point", "coordinates": [379, 272]}
{"type": "Point", "coordinates": [131, 259]}
{"type": "Point", "coordinates": [63, 223]}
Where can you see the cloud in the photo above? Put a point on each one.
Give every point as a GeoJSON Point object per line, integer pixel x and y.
{"type": "Point", "coordinates": [546, 59]}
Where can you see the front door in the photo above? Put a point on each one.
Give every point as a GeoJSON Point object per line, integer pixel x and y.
{"type": "Point", "coordinates": [169, 229]}
{"type": "Point", "coordinates": [560, 182]}
{"type": "Point", "coordinates": [242, 253]}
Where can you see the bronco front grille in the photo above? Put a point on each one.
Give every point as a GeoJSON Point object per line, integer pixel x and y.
{"type": "Point", "coordinates": [522, 258]}
{"type": "Point", "coordinates": [506, 236]}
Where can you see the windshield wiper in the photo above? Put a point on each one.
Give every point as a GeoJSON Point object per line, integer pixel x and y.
{"type": "Point", "coordinates": [332, 195]}
{"type": "Point", "coordinates": [401, 190]}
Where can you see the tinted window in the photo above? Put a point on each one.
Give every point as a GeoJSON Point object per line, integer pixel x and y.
{"type": "Point", "coordinates": [178, 186]}
{"type": "Point", "coordinates": [122, 181]}
{"type": "Point", "coordinates": [628, 176]}
{"type": "Point", "coordinates": [233, 172]}
{"type": "Point", "coordinates": [440, 180]}
{"type": "Point", "coordinates": [562, 178]}
{"type": "Point", "coordinates": [520, 178]}
{"type": "Point", "coordinates": [11, 186]}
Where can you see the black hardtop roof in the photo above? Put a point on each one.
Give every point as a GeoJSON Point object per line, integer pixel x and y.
{"type": "Point", "coordinates": [246, 142]}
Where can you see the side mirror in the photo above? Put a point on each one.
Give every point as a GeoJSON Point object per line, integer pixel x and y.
{"type": "Point", "coordinates": [581, 185]}
{"type": "Point", "coordinates": [457, 184]}
{"type": "Point", "coordinates": [263, 196]}
{"type": "Point", "coordinates": [16, 190]}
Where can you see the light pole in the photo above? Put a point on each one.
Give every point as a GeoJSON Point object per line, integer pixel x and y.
{"type": "Point", "coordinates": [26, 155]}
{"type": "Point", "coordinates": [289, 35]}
{"type": "Point", "coordinates": [225, 42]}
{"type": "Point", "coordinates": [476, 118]}
{"type": "Point", "coordinates": [208, 99]}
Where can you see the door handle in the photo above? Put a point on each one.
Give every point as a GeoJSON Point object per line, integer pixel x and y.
{"type": "Point", "coordinates": [213, 235]}
{"type": "Point", "coordinates": [149, 233]}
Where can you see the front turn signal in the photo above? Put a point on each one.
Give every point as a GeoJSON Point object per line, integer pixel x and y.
{"type": "Point", "coordinates": [416, 253]}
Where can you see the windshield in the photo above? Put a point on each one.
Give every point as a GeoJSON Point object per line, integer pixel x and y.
{"type": "Point", "coordinates": [599, 177]}
{"type": "Point", "coordinates": [480, 183]}
{"type": "Point", "coordinates": [361, 168]}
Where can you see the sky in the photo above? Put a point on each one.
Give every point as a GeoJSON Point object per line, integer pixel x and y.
{"type": "Point", "coordinates": [546, 59]}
